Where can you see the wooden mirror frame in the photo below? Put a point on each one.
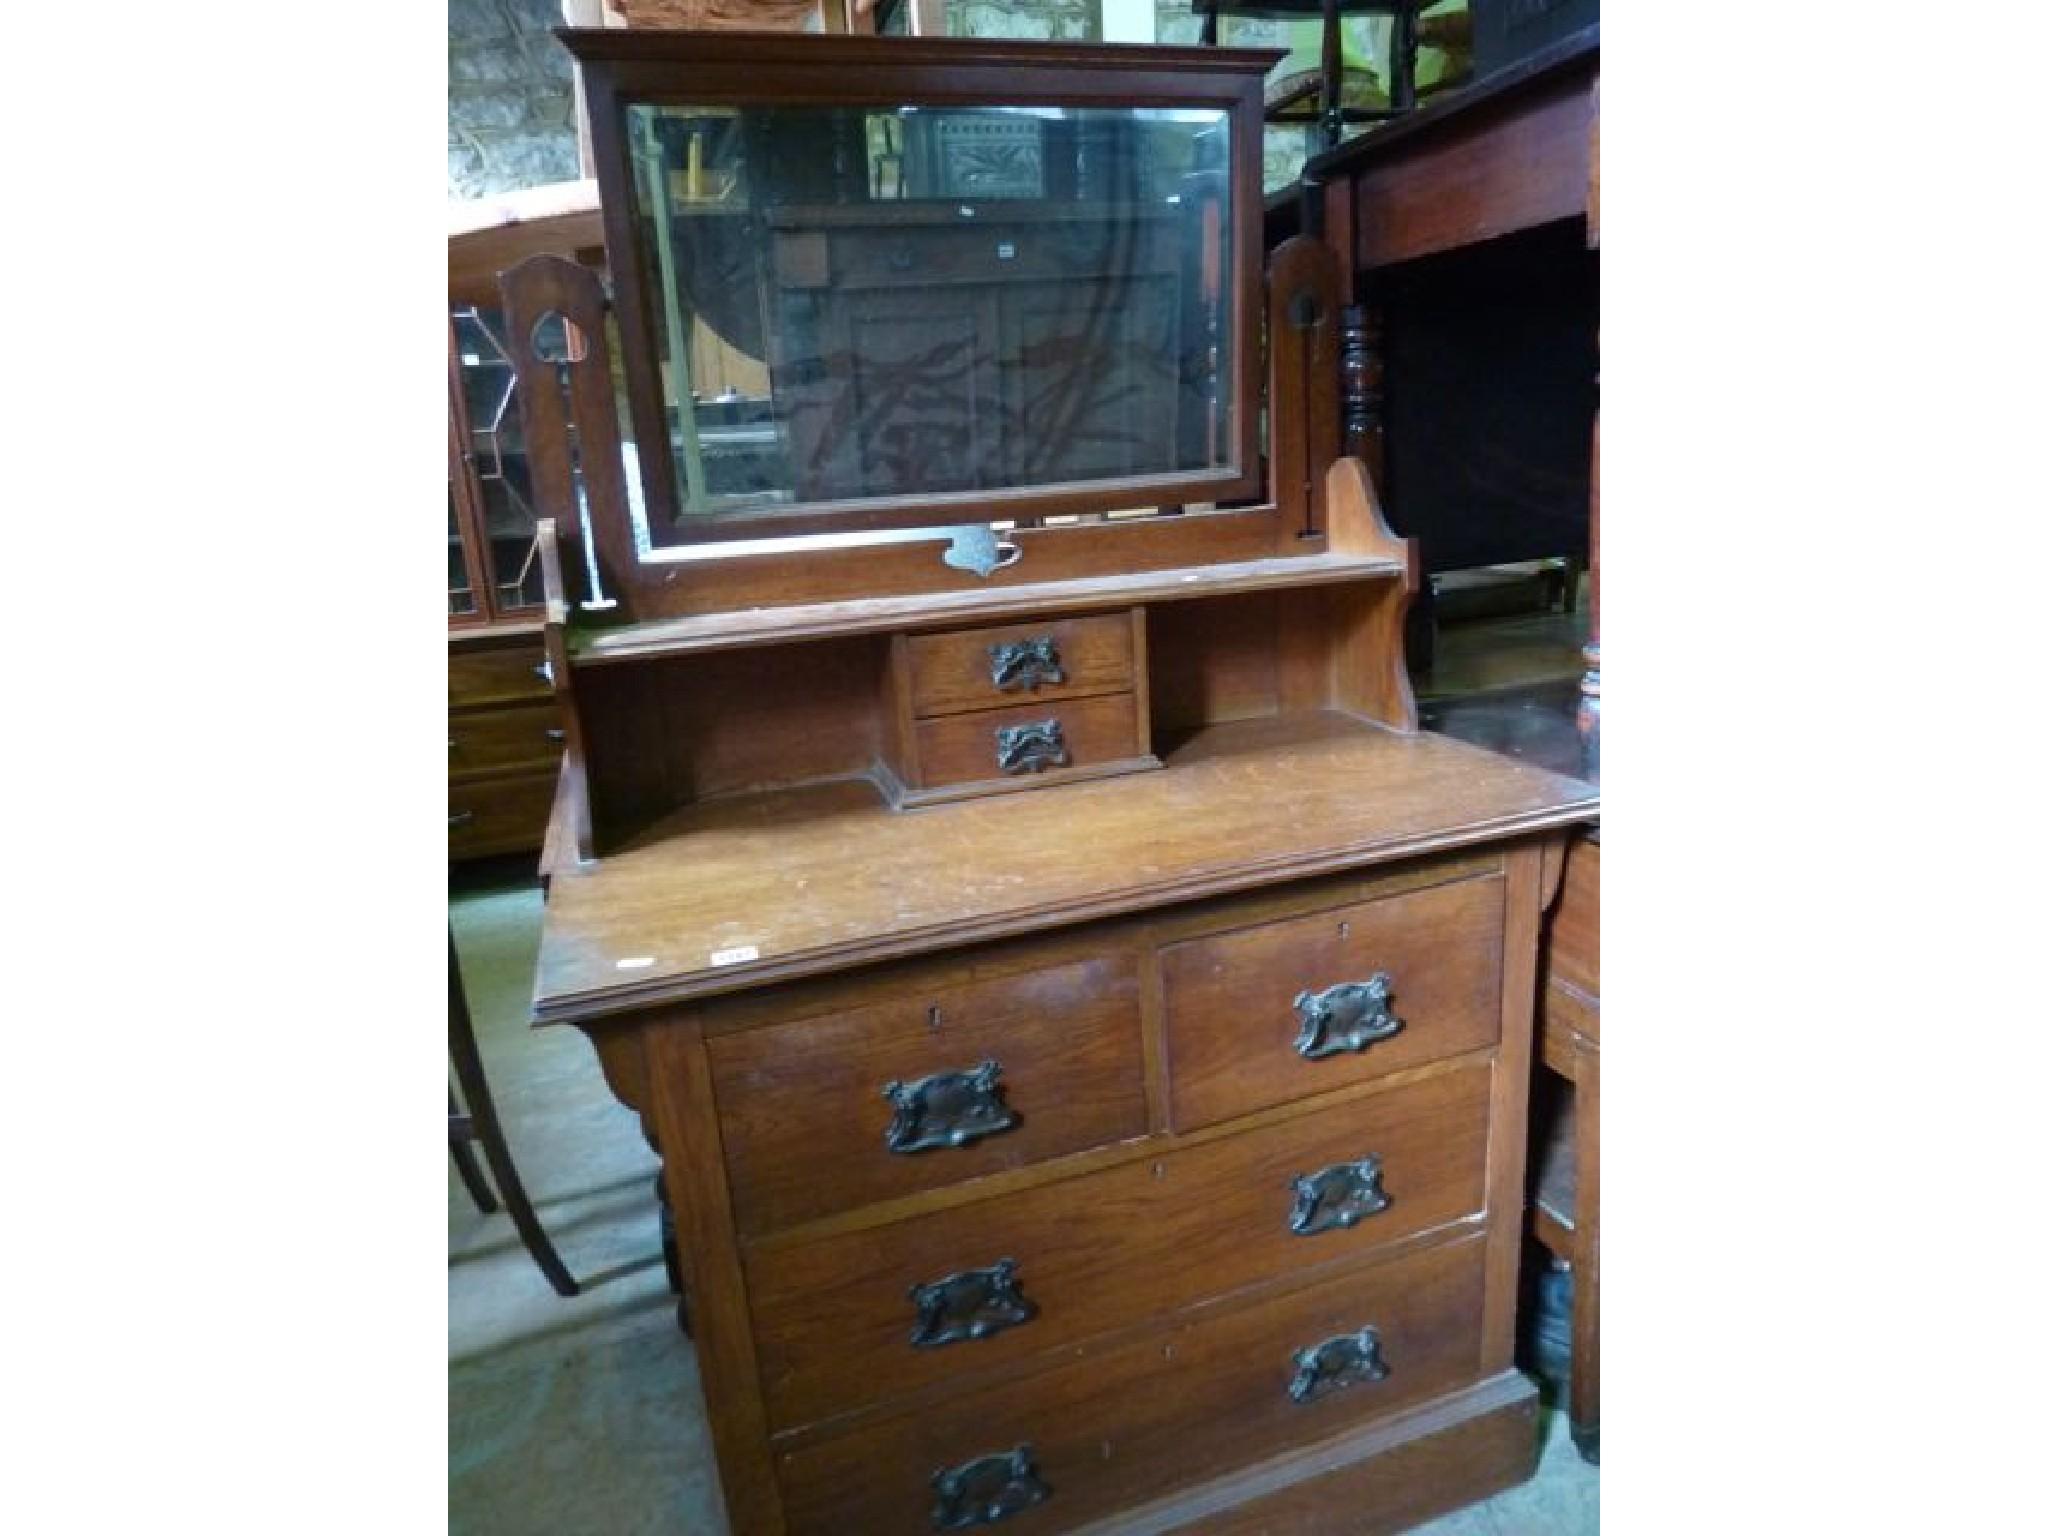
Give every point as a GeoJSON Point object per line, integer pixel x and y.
{"type": "Point", "coordinates": [622, 68]}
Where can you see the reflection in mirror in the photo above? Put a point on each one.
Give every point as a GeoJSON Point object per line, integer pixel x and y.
{"type": "Point", "coordinates": [859, 303]}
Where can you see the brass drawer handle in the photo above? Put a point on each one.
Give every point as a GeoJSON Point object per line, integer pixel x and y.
{"type": "Point", "coordinates": [1345, 1361]}
{"type": "Point", "coordinates": [947, 1109]}
{"type": "Point", "coordinates": [1347, 1017]}
{"type": "Point", "coordinates": [1031, 746]}
{"type": "Point", "coordinates": [987, 1489]}
{"type": "Point", "coordinates": [1025, 664]}
{"type": "Point", "coordinates": [1339, 1196]}
{"type": "Point", "coordinates": [460, 819]}
{"type": "Point", "coordinates": [973, 1304]}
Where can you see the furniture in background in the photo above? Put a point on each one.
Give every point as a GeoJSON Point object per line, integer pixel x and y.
{"type": "Point", "coordinates": [1085, 1027]}
{"type": "Point", "coordinates": [479, 1123]}
{"type": "Point", "coordinates": [1318, 95]}
{"type": "Point", "coordinates": [1470, 233]}
{"type": "Point", "coordinates": [1565, 1189]}
{"type": "Point", "coordinates": [504, 730]}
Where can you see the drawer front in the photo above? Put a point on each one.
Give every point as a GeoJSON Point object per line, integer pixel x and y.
{"type": "Point", "coordinates": [837, 1325]}
{"type": "Point", "coordinates": [506, 815]}
{"type": "Point", "coordinates": [809, 1115]}
{"type": "Point", "coordinates": [498, 674]}
{"type": "Point", "coordinates": [499, 740]}
{"type": "Point", "coordinates": [1116, 1426]}
{"type": "Point", "coordinates": [1244, 1026]}
{"type": "Point", "coordinates": [972, 749]}
{"type": "Point", "coordinates": [995, 668]}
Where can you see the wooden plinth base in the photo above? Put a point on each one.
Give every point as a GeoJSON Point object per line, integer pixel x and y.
{"type": "Point", "coordinates": [1386, 1478]}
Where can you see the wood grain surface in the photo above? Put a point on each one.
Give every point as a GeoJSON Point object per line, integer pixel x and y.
{"type": "Point", "coordinates": [832, 1320]}
{"type": "Point", "coordinates": [1231, 1024]}
{"type": "Point", "coordinates": [806, 881]}
{"type": "Point", "coordinates": [1114, 1426]}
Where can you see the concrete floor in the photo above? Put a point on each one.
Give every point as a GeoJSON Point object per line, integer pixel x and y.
{"type": "Point", "coordinates": [585, 1415]}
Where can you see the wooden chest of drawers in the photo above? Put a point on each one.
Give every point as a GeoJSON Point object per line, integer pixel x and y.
{"type": "Point", "coordinates": [504, 741]}
{"type": "Point", "coordinates": [1144, 1224]}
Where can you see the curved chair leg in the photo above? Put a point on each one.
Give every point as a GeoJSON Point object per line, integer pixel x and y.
{"type": "Point", "coordinates": [469, 1076]}
{"type": "Point", "coordinates": [460, 1130]}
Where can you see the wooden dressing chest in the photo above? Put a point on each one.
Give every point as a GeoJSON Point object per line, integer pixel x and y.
{"type": "Point", "coordinates": [1085, 1026]}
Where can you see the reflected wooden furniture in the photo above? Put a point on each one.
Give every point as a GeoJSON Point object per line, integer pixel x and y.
{"type": "Point", "coordinates": [1565, 1199]}
{"type": "Point", "coordinates": [1086, 1027]}
{"type": "Point", "coordinates": [1469, 233]}
{"type": "Point", "coordinates": [1319, 97]}
{"type": "Point", "coordinates": [505, 732]}
{"type": "Point", "coordinates": [479, 1123]}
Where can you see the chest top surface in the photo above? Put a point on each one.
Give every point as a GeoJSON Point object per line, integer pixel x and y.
{"type": "Point", "coordinates": [733, 893]}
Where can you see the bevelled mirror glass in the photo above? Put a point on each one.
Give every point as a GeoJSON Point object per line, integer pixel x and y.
{"type": "Point", "coordinates": [869, 316]}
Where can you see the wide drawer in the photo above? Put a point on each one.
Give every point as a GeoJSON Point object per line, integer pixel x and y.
{"type": "Point", "coordinates": [503, 673]}
{"type": "Point", "coordinates": [1252, 1019]}
{"type": "Point", "coordinates": [505, 815]}
{"type": "Point", "coordinates": [811, 1110]}
{"type": "Point", "coordinates": [993, 668]}
{"type": "Point", "coordinates": [1112, 1426]}
{"type": "Point", "coordinates": [1026, 740]}
{"type": "Point", "coordinates": [500, 740]}
{"type": "Point", "coordinates": [836, 1323]}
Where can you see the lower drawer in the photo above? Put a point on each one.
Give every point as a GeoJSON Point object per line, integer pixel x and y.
{"type": "Point", "coordinates": [507, 815]}
{"type": "Point", "coordinates": [1112, 1426]}
{"type": "Point", "coordinates": [1028, 741]}
{"type": "Point", "coordinates": [499, 671]}
{"type": "Point", "coordinates": [505, 740]}
{"type": "Point", "coordinates": [837, 1327]}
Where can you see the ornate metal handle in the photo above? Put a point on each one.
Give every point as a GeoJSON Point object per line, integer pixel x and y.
{"type": "Point", "coordinates": [987, 1489]}
{"type": "Point", "coordinates": [1347, 1017]}
{"type": "Point", "coordinates": [1025, 664]}
{"type": "Point", "coordinates": [460, 819]}
{"type": "Point", "coordinates": [1345, 1361]}
{"type": "Point", "coordinates": [947, 1109]}
{"type": "Point", "coordinates": [1031, 746]}
{"type": "Point", "coordinates": [1341, 1195]}
{"type": "Point", "coordinates": [973, 1304]}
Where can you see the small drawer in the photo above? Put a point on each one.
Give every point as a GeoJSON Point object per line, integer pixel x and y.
{"type": "Point", "coordinates": [1265, 1015]}
{"type": "Point", "coordinates": [1218, 1388]}
{"type": "Point", "coordinates": [503, 740]}
{"type": "Point", "coordinates": [507, 815]}
{"type": "Point", "coordinates": [1028, 742]}
{"type": "Point", "coordinates": [974, 669]}
{"type": "Point", "coordinates": [498, 674]}
{"type": "Point", "coordinates": [825, 1114]}
{"type": "Point", "coordinates": [977, 1289]}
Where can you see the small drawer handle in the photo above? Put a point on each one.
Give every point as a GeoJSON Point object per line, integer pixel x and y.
{"type": "Point", "coordinates": [556, 734]}
{"type": "Point", "coordinates": [1348, 1360]}
{"type": "Point", "coordinates": [987, 1489]}
{"type": "Point", "coordinates": [460, 819]}
{"type": "Point", "coordinates": [947, 1109]}
{"type": "Point", "coordinates": [1031, 746]}
{"type": "Point", "coordinates": [1025, 664]}
{"type": "Point", "coordinates": [1347, 1017]}
{"type": "Point", "coordinates": [973, 1304]}
{"type": "Point", "coordinates": [545, 671]}
{"type": "Point", "coordinates": [1337, 1197]}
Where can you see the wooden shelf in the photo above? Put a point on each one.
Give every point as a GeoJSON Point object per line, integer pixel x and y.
{"type": "Point", "coordinates": [703, 901]}
{"type": "Point", "coordinates": [820, 621]}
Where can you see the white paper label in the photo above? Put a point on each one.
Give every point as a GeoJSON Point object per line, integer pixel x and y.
{"type": "Point", "coordinates": [737, 956]}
